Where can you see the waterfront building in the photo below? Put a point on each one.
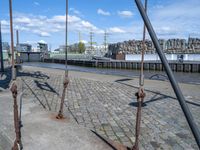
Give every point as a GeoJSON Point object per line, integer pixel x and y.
{"type": "Point", "coordinates": [176, 46]}
{"type": "Point", "coordinates": [42, 47]}
{"type": "Point", "coordinates": [5, 46]}
{"type": "Point", "coordinates": [62, 48]}
{"type": "Point", "coordinates": [194, 45]}
{"type": "Point", "coordinates": [73, 48]}
{"type": "Point", "coordinates": [24, 47]}
{"type": "Point", "coordinates": [163, 44]}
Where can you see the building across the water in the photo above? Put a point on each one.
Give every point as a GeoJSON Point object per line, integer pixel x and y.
{"type": "Point", "coordinates": [42, 47]}
{"type": "Point", "coordinates": [176, 46]}
{"type": "Point", "coordinates": [24, 47]}
{"type": "Point", "coordinates": [170, 46]}
{"type": "Point", "coordinates": [5, 46]}
{"type": "Point", "coordinates": [194, 44]}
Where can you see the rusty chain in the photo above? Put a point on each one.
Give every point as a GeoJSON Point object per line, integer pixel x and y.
{"type": "Point", "coordinates": [16, 117]}
{"type": "Point", "coordinates": [140, 98]}
{"type": "Point", "coordinates": [140, 94]}
{"type": "Point", "coordinates": [65, 84]}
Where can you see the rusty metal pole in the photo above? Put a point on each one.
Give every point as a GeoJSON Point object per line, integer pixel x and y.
{"type": "Point", "coordinates": [140, 94]}
{"type": "Point", "coordinates": [12, 41]}
{"type": "Point", "coordinates": [66, 80]}
{"type": "Point", "coordinates": [60, 113]}
{"type": "Point", "coordinates": [16, 117]}
{"type": "Point", "coordinates": [140, 98]}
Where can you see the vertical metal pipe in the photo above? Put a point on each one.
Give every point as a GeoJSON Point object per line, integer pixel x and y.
{"type": "Point", "coordinates": [169, 72]}
{"type": "Point", "coordinates": [143, 51]}
{"type": "Point", "coordinates": [12, 41]}
{"type": "Point", "coordinates": [66, 40]}
{"type": "Point", "coordinates": [1, 50]}
{"type": "Point", "coordinates": [66, 80]}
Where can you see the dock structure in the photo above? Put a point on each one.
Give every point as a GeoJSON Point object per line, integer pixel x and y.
{"type": "Point", "coordinates": [116, 64]}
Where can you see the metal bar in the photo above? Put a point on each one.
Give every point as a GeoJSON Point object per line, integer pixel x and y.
{"type": "Point", "coordinates": [1, 50]}
{"type": "Point", "coordinates": [140, 98]}
{"type": "Point", "coordinates": [66, 40]}
{"type": "Point", "coordinates": [169, 72]}
{"type": "Point", "coordinates": [140, 94]}
{"type": "Point", "coordinates": [143, 51]}
{"type": "Point", "coordinates": [12, 40]}
{"type": "Point", "coordinates": [66, 80]}
{"type": "Point", "coordinates": [20, 120]}
{"type": "Point", "coordinates": [60, 113]}
{"type": "Point", "coordinates": [17, 36]}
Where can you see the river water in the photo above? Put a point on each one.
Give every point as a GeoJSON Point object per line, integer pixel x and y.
{"type": "Point", "coordinates": [182, 77]}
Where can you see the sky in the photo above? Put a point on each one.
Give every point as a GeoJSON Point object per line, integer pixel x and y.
{"type": "Point", "coordinates": [44, 20]}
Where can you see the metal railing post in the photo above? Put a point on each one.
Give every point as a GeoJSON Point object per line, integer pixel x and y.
{"type": "Point", "coordinates": [170, 74]}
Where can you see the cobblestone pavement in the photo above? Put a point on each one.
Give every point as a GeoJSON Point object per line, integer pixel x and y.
{"type": "Point", "coordinates": [109, 108]}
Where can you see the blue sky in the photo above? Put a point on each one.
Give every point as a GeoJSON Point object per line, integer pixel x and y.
{"type": "Point", "coordinates": [44, 20]}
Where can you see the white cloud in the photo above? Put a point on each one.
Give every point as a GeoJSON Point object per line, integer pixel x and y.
{"type": "Point", "coordinates": [84, 41]}
{"type": "Point", "coordinates": [42, 41]}
{"type": "Point", "coordinates": [44, 34]}
{"type": "Point", "coordinates": [44, 26]}
{"type": "Point", "coordinates": [116, 30]}
{"type": "Point", "coordinates": [75, 11]}
{"type": "Point", "coordinates": [23, 20]}
{"type": "Point", "coordinates": [102, 12]}
{"type": "Point", "coordinates": [73, 19]}
{"type": "Point", "coordinates": [125, 14]}
{"type": "Point", "coordinates": [58, 19]}
{"type": "Point", "coordinates": [4, 23]}
{"type": "Point", "coordinates": [36, 3]}
{"type": "Point", "coordinates": [41, 33]}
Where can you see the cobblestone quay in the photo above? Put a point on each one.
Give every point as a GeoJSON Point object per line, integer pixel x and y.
{"type": "Point", "coordinates": [106, 105]}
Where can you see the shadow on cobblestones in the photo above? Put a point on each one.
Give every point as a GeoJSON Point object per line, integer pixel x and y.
{"type": "Point", "coordinates": [153, 99]}
{"type": "Point", "coordinates": [162, 96]}
{"type": "Point", "coordinates": [36, 74]}
{"type": "Point", "coordinates": [32, 91]}
{"type": "Point", "coordinates": [45, 86]}
{"type": "Point", "coordinates": [113, 145]}
{"type": "Point", "coordinates": [41, 87]}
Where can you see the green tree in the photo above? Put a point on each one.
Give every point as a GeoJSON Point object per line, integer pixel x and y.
{"type": "Point", "coordinates": [81, 47]}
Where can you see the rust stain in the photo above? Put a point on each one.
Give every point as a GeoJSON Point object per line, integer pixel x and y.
{"type": "Point", "coordinates": [64, 119]}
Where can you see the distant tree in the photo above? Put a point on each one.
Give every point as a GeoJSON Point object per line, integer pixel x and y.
{"type": "Point", "coordinates": [81, 47]}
